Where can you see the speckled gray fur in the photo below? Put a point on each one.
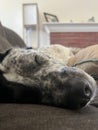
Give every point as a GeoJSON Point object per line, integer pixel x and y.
{"type": "Point", "coordinates": [55, 81]}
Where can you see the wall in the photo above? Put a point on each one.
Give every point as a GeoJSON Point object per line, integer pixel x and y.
{"type": "Point", "coordinates": [77, 10]}
{"type": "Point", "coordinates": [11, 14]}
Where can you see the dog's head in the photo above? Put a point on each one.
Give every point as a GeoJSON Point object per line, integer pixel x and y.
{"type": "Point", "coordinates": [59, 85]}
{"type": "Point", "coordinates": [69, 87]}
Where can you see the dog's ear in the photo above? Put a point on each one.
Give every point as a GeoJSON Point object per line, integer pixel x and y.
{"type": "Point", "coordinates": [2, 55]}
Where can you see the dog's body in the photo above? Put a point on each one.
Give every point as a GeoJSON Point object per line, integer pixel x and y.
{"type": "Point", "coordinates": [31, 76]}
{"type": "Point", "coordinates": [60, 53]}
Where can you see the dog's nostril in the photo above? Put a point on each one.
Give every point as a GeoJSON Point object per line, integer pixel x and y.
{"type": "Point", "coordinates": [87, 91]}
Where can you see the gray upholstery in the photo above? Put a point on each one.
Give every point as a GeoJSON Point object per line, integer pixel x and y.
{"type": "Point", "coordinates": [38, 117]}
{"type": "Point", "coordinates": [13, 38]}
{"type": "Point", "coordinates": [9, 39]}
{"type": "Point", "coordinates": [4, 44]}
{"type": "Point", "coordinates": [2, 32]}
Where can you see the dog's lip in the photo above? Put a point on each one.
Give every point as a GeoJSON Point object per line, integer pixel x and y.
{"type": "Point", "coordinates": [84, 101]}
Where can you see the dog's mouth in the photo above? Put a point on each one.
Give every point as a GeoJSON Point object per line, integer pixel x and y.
{"type": "Point", "coordinates": [78, 103]}
{"type": "Point", "coordinates": [84, 102]}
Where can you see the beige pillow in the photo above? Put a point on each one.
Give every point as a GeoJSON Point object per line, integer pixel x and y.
{"type": "Point", "coordinates": [86, 59]}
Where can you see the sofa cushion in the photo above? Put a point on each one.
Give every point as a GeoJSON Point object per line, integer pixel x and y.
{"type": "Point", "coordinates": [4, 44]}
{"type": "Point", "coordinates": [11, 37]}
{"type": "Point", "coordinates": [14, 39]}
{"type": "Point", "coordinates": [38, 117]}
{"type": "Point", "coordinates": [2, 31]}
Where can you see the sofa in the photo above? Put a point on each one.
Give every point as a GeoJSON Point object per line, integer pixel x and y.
{"type": "Point", "coordinates": [40, 117]}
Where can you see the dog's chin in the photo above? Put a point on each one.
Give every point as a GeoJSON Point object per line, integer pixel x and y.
{"type": "Point", "coordinates": [76, 106]}
{"type": "Point", "coordinates": [79, 102]}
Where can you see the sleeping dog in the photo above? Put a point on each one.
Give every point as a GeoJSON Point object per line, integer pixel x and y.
{"type": "Point", "coordinates": [30, 76]}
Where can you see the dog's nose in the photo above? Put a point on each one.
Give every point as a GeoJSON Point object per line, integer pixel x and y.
{"type": "Point", "coordinates": [87, 91]}
{"type": "Point", "coordinates": [79, 95]}
{"type": "Point", "coordinates": [85, 94]}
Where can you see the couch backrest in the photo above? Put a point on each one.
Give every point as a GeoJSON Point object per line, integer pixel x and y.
{"type": "Point", "coordinates": [9, 39]}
